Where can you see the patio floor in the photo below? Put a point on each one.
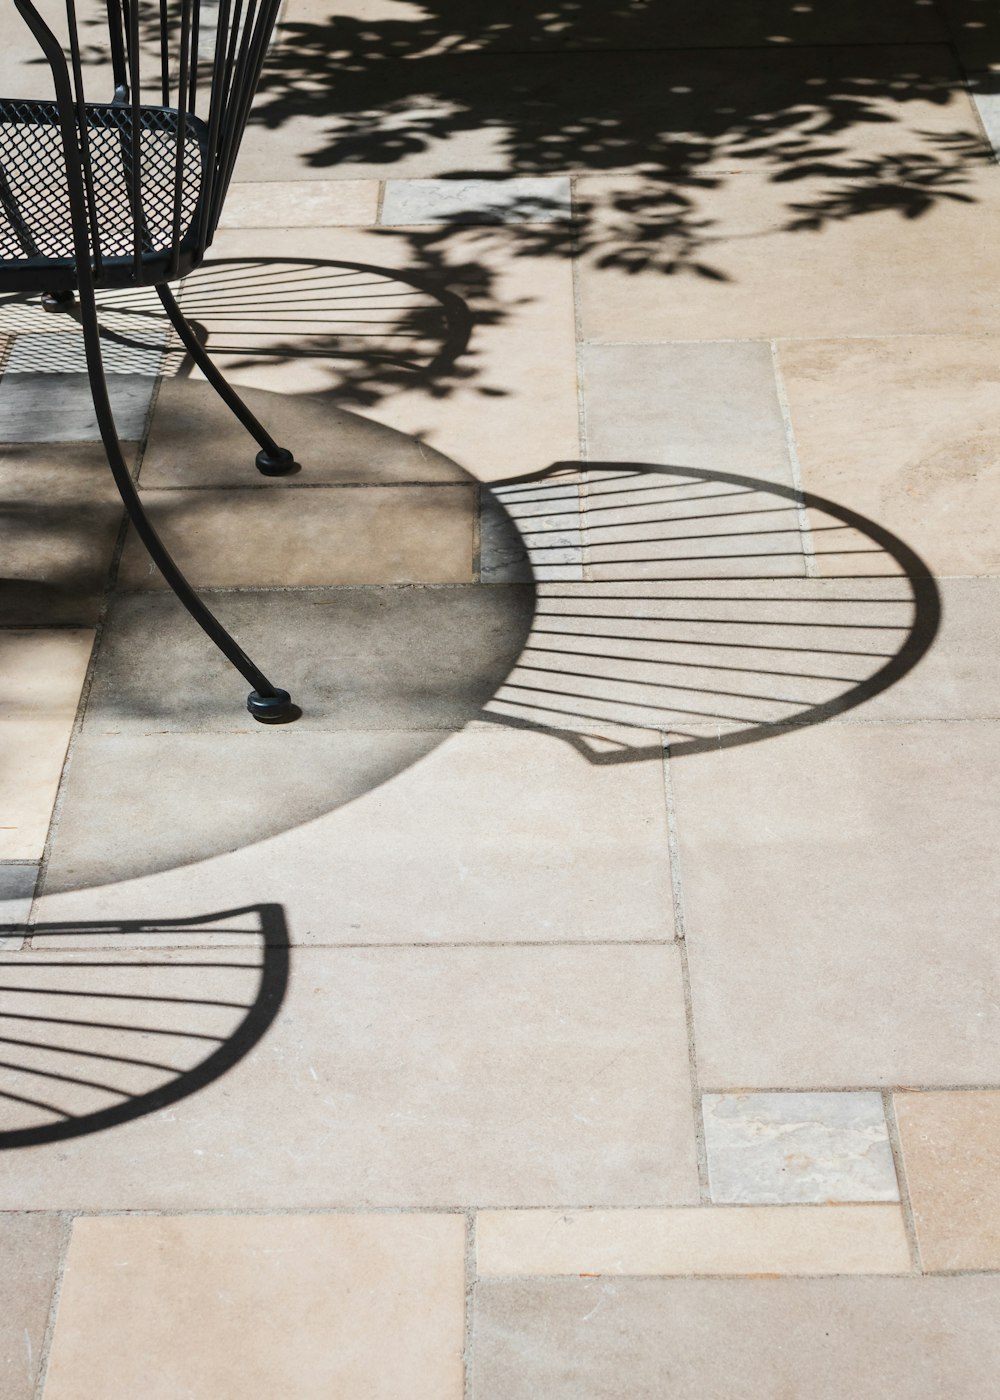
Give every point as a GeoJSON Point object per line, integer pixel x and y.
{"type": "Point", "coordinates": [596, 992]}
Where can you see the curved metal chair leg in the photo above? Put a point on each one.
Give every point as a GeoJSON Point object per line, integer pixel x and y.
{"type": "Point", "coordinates": [271, 460]}
{"type": "Point", "coordinates": [266, 702]}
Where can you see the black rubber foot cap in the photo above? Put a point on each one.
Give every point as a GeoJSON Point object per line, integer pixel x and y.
{"type": "Point", "coordinates": [57, 301]}
{"type": "Point", "coordinates": [276, 464]}
{"type": "Point", "coordinates": [272, 709]}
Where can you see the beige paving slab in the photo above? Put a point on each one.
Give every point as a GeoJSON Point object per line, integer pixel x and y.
{"type": "Point", "coordinates": [506, 405]}
{"type": "Point", "coordinates": [59, 514]}
{"type": "Point", "coordinates": [32, 1248]}
{"type": "Point", "coordinates": [713, 406]}
{"type": "Point", "coordinates": [647, 523]}
{"type": "Point", "coordinates": [195, 441]}
{"type": "Point", "coordinates": [748, 653]}
{"type": "Point", "coordinates": [300, 203]}
{"type": "Point", "coordinates": [241, 538]}
{"type": "Point", "coordinates": [455, 114]}
{"type": "Point", "coordinates": [44, 675]}
{"type": "Point", "coordinates": [17, 890]}
{"type": "Point", "coordinates": [699, 1240]}
{"type": "Point", "coordinates": [838, 888]}
{"type": "Point", "coordinates": [861, 272]}
{"type": "Point", "coordinates": [411, 30]}
{"type": "Point", "coordinates": [405, 1077]}
{"type": "Point", "coordinates": [493, 835]}
{"type": "Point", "coordinates": [370, 1306]}
{"type": "Point", "coordinates": [825, 1338]}
{"type": "Point", "coordinates": [949, 1143]}
{"type": "Point", "coordinates": [394, 659]}
{"type": "Point", "coordinates": [905, 430]}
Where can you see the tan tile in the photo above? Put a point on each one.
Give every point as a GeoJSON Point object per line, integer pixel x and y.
{"type": "Point", "coordinates": [491, 835]}
{"type": "Point", "coordinates": [31, 1246]}
{"type": "Point", "coordinates": [746, 653]}
{"type": "Point", "coordinates": [389, 1077]}
{"type": "Point", "coordinates": [507, 404]}
{"type": "Point", "coordinates": [701, 405]}
{"type": "Point", "coordinates": [300, 203]}
{"type": "Point", "coordinates": [391, 659]}
{"type": "Point", "coordinates": [311, 1306]}
{"type": "Point", "coordinates": [862, 273]}
{"type": "Point", "coordinates": [735, 1338]}
{"type": "Point", "coordinates": [241, 538]}
{"type": "Point", "coordinates": [838, 888]}
{"type": "Point", "coordinates": [700, 1240]}
{"type": "Point", "coordinates": [950, 1145]}
{"type": "Point", "coordinates": [907, 432]}
{"type": "Point", "coordinates": [194, 440]}
{"type": "Point", "coordinates": [59, 514]}
{"type": "Point", "coordinates": [43, 676]}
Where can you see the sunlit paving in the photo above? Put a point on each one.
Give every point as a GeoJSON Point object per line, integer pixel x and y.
{"type": "Point", "coordinates": [500, 743]}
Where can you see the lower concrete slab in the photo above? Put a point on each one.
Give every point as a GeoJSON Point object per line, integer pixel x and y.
{"type": "Point", "coordinates": [727, 1339]}
{"type": "Point", "coordinates": [389, 1077]}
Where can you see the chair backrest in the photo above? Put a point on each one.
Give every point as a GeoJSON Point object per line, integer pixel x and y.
{"type": "Point", "coordinates": [149, 156]}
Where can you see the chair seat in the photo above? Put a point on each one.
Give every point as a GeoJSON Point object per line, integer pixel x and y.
{"type": "Point", "coordinates": [36, 230]}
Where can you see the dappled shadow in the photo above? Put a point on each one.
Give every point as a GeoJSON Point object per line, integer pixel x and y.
{"type": "Point", "coordinates": [104, 1022]}
{"type": "Point", "coordinates": [858, 109]}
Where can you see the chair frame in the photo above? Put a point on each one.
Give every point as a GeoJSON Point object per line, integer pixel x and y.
{"type": "Point", "coordinates": [204, 151]}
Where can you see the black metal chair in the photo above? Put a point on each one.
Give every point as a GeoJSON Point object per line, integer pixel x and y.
{"type": "Point", "coordinates": [128, 193]}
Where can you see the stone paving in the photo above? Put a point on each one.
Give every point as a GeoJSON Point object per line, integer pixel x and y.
{"type": "Point", "coordinates": [596, 992]}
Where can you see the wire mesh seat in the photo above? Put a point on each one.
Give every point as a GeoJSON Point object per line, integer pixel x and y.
{"type": "Point", "coordinates": [36, 225]}
{"type": "Point", "coordinates": [128, 193]}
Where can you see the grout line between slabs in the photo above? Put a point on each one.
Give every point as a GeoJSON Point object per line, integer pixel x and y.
{"type": "Point", "coordinates": [795, 467]}
{"type": "Point", "coordinates": [673, 856]}
{"type": "Point", "coordinates": [50, 1323]}
{"type": "Point", "coordinates": [895, 1142]}
{"type": "Point", "coordinates": [470, 1297]}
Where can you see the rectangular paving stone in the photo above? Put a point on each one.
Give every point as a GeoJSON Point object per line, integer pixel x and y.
{"type": "Point", "coordinates": [684, 523]}
{"type": "Point", "coordinates": [838, 895]}
{"type": "Point", "coordinates": [905, 431]}
{"type": "Point", "coordinates": [768, 271]}
{"type": "Point", "coordinates": [806, 1148]}
{"type": "Point", "coordinates": [696, 1240]}
{"type": "Point", "coordinates": [949, 1143]}
{"type": "Point", "coordinates": [45, 393]}
{"type": "Point", "coordinates": [300, 203]}
{"type": "Point", "coordinates": [747, 653]}
{"type": "Point", "coordinates": [58, 407]}
{"type": "Point", "coordinates": [393, 1077]}
{"type": "Point", "coordinates": [365, 1305]}
{"type": "Point", "coordinates": [44, 674]}
{"type": "Point", "coordinates": [522, 343]}
{"type": "Point", "coordinates": [414, 658]}
{"type": "Point", "coordinates": [712, 406]}
{"type": "Point", "coordinates": [422, 837]}
{"type": "Point", "coordinates": [521, 200]}
{"type": "Point", "coordinates": [232, 538]}
{"type": "Point", "coordinates": [60, 514]}
{"type": "Point", "coordinates": [32, 1247]}
{"type": "Point", "coordinates": [194, 440]}
{"type": "Point", "coordinates": [589, 1338]}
